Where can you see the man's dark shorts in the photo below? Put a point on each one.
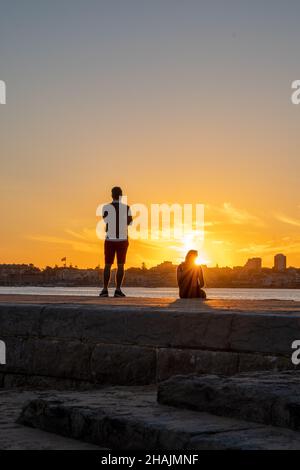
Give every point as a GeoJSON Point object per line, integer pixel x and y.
{"type": "Point", "coordinates": [112, 248]}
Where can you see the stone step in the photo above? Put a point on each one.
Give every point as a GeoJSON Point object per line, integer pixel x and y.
{"type": "Point", "coordinates": [263, 397]}
{"type": "Point", "coordinates": [14, 436]}
{"type": "Point", "coordinates": [131, 418]}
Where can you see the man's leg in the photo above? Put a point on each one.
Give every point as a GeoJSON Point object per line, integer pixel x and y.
{"type": "Point", "coordinates": [119, 276]}
{"type": "Point", "coordinates": [109, 254]}
{"type": "Point", "coordinates": [121, 258]}
{"type": "Point", "coordinates": [106, 276]}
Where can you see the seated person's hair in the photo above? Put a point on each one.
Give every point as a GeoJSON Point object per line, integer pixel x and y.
{"type": "Point", "coordinates": [191, 254]}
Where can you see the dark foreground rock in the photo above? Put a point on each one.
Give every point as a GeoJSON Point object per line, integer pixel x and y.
{"type": "Point", "coordinates": [262, 397]}
{"type": "Point", "coordinates": [14, 436]}
{"type": "Point", "coordinates": [131, 418]}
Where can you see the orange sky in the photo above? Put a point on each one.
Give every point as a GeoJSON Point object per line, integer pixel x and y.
{"type": "Point", "coordinates": [232, 234]}
{"type": "Point", "coordinates": [188, 105]}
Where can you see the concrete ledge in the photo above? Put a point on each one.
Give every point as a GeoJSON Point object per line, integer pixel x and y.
{"type": "Point", "coordinates": [141, 341]}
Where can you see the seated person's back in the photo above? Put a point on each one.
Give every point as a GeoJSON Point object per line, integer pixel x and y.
{"type": "Point", "coordinates": [190, 277]}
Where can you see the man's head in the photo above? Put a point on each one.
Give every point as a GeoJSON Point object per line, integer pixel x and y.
{"type": "Point", "coordinates": [116, 193]}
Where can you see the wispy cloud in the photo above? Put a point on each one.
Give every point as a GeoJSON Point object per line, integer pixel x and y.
{"type": "Point", "coordinates": [85, 241]}
{"type": "Point", "coordinates": [287, 220]}
{"type": "Point", "coordinates": [257, 248]}
{"type": "Point", "coordinates": [241, 216]}
{"type": "Point", "coordinates": [271, 247]}
{"type": "Point", "coordinates": [229, 213]}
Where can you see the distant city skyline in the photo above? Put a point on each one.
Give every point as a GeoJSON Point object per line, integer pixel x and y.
{"type": "Point", "coordinates": [279, 263]}
{"type": "Point", "coordinates": [251, 274]}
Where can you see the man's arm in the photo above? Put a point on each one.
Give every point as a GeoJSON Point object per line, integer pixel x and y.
{"type": "Point", "coordinates": [104, 216]}
{"type": "Point", "coordinates": [129, 216]}
{"type": "Point", "coordinates": [104, 212]}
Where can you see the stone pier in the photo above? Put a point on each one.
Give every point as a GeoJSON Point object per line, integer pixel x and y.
{"type": "Point", "coordinates": [80, 342]}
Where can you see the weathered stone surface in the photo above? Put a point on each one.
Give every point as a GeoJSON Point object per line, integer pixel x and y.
{"type": "Point", "coordinates": [173, 361]}
{"type": "Point", "coordinates": [41, 382]}
{"type": "Point", "coordinates": [265, 334]}
{"type": "Point", "coordinates": [266, 438]}
{"type": "Point", "coordinates": [263, 397]}
{"type": "Point", "coordinates": [201, 327]}
{"type": "Point", "coordinates": [265, 307]}
{"type": "Point", "coordinates": [49, 357]}
{"type": "Point", "coordinates": [66, 359]}
{"type": "Point", "coordinates": [260, 362]}
{"type": "Point", "coordinates": [14, 436]}
{"type": "Point", "coordinates": [153, 328]}
{"type": "Point", "coordinates": [210, 330]}
{"type": "Point", "coordinates": [130, 418]}
{"type": "Point", "coordinates": [179, 329]}
{"type": "Point", "coordinates": [19, 355]}
{"type": "Point", "coordinates": [77, 361]}
{"type": "Point", "coordinates": [57, 339]}
{"type": "Point", "coordinates": [123, 364]}
{"type": "Point", "coordinates": [20, 320]}
{"type": "Point", "coordinates": [94, 324]}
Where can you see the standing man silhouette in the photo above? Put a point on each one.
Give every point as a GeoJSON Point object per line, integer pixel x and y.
{"type": "Point", "coordinates": [117, 217]}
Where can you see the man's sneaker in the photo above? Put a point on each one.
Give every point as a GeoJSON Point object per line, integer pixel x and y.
{"type": "Point", "coordinates": [103, 293]}
{"type": "Point", "coordinates": [119, 293]}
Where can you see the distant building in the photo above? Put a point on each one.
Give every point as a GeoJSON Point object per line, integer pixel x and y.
{"type": "Point", "coordinates": [253, 264]}
{"type": "Point", "coordinates": [166, 266]}
{"type": "Point", "coordinates": [280, 262]}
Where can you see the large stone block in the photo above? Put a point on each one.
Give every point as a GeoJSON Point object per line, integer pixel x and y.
{"type": "Point", "coordinates": [130, 418]}
{"type": "Point", "coordinates": [264, 438]}
{"type": "Point", "coordinates": [48, 357]}
{"type": "Point", "coordinates": [57, 340]}
{"type": "Point", "coordinates": [20, 320]}
{"type": "Point", "coordinates": [207, 330]}
{"type": "Point", "coordinates": [195, 330]}
{"type": "Point", "coordinates": [57, 358]}
{"type": "Point", "coordinates": [270, 334]}
{"type": "Point", "coordinates": [20, 355]}
{"type": "Point", "coordinates": [260, 362]}
{"type": "Point", "coordinates": [171, 361]}
{"type": "Point", "coordinates": [123, 364]}
{"type": "Point", "coordinates": [40, 382]}
{"type": "Point", "coordinates": [264, 397]}
{"type": "Point", "coordinates": [153, 328]}
{"type": "Point", "coordinates": [93, 324]}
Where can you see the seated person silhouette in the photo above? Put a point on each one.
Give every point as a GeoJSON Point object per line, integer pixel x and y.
{"type": "Point", "coordinates": [190, 278]}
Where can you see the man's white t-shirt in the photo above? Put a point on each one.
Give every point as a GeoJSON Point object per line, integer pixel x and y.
{"type": "Point", "coordinates": [117, 216]}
